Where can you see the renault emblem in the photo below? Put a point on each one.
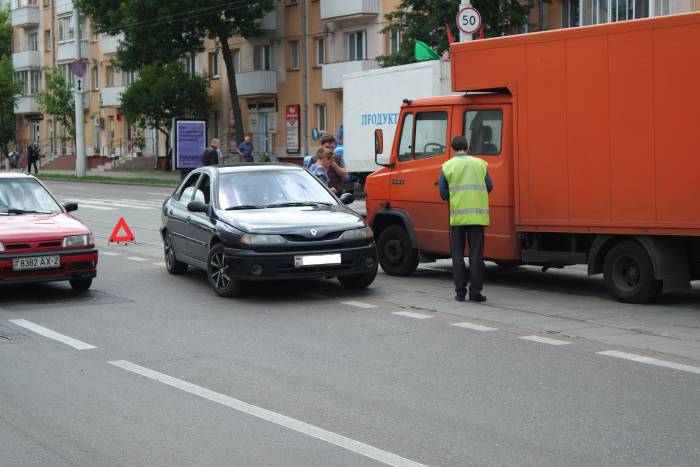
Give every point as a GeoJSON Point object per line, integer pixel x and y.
{"type": "Point", "coordinates": [314, 232]}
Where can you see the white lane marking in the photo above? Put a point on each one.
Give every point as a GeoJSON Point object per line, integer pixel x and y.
{"type": "Point", "coordinates": [136, 258]}
{"type": "Point", "coordinates": [544, 340]}
{"type": "Point", "coordinates": [161, 264]}
{"type": "Point", "coordinates": [270, 416]}
{"type": "Point", "coordinates": [164, 195]}
{"type": "Point", "coordinates": [359, 304]}
{"type": "Point", "coordinates": [92, 206]}
{"type": "Point", "coordinates": [41, 330]}
{"type": "Point", "coordinates": [410, 314]}
{"type": "Point", "coordinates": [651, 361]}
{"type": "Point", "coordinates": [110, 253]}
{"type": "Point", "coordinates": [125, 205]}
{"type": "Point", "coordinates": [473, 327]}
{"type": "Point", "coordinates": [432, 269]}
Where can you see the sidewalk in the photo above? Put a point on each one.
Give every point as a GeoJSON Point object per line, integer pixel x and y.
{"type": "Point", "coordinates": [153, 174]}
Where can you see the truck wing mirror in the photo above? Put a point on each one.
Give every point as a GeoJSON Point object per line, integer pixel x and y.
{"type": "Point", "coordinates": [379, 147]}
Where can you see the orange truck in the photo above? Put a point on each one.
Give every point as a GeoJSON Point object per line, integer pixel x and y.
{"type": "Point", "coordinates": [588, 134]}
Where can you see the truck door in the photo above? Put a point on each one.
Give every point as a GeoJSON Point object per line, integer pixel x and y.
{"type": "Point", "coordinates": [489, 135]}
{"type": "Point", "coordinates": [421, 151]}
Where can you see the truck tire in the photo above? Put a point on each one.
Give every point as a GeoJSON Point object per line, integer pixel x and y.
{"type": "Point", "coordinates": [396, 255]}
{"type": "Point", "coordinates": [629, 273]}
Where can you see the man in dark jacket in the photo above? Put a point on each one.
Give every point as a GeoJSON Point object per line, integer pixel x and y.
{"type": "Point", "coordinates": [33, 156]}
{"type": "Point", "coordinates": [211, 153]}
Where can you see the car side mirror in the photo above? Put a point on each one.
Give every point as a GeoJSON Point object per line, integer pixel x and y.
{"type": "Point", "coordinates": [347, 198]}
{"type": "Point", "coordinates": [70, 207]}
{"type": "Point", "coordinates": [197, 206]}
{"type": "Point", "coordinates": [379, 147]}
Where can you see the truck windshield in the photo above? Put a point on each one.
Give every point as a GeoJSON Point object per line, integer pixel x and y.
{"type": "Point", "coordinates": [483, 129]}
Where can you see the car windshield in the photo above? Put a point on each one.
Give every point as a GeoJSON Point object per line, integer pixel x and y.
{"type": "Point", "coordinates": [250, 190]}
{"type": "Point", "coordinates": [25, 196]}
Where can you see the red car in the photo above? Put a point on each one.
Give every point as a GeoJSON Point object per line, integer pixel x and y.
{"type": "Point", "coordinates": [39, 240]}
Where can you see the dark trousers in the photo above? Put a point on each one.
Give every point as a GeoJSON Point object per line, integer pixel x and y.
{"type": "Point", "coordinates": [474, 234]}
{"type": "Point", "coordinates": [29, 167]}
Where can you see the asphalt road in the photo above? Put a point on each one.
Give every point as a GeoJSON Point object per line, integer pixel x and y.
{"type": "Point", "coordinates": [151, 369]}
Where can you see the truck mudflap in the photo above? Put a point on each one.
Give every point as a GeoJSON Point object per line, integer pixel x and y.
{"type": "Point", "coordinates": [668, 256]}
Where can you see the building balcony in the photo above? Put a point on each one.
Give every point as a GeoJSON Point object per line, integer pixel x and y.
{"type": "Point", "coordinates": [110, 44]}
{"type": "Point", "coordinates": [336, 10]}
{"type": "Point", "coordinates": [66, 50]}
{"type": "Point", "coordinates": [332, 73]}
{"type": "Point", "coordinates": [25, 14]}
{"type": "Point", "coordinates": [26, 59]}
{"type": "Point", "coordinates": [27, 105]}
{"type": "Point", "coordinates": [255, 83]}
{"type": "Point", "coordinates": [63, 7]}
{"type": "Point", "coordinates": [112, 96]}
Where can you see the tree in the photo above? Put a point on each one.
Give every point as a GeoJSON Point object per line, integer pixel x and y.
{"type": "Point", "coordinates": [165, 91]}
{"type": "Point", "coordinates": [58, 100]}
{"type": "Point", "coordinates": [9, 89]}
{"type": "Point", "coordinates": [162, 31]}
{"type": "Point", "coordinates": [425, 20]}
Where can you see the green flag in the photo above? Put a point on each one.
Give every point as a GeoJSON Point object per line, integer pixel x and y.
{"type": "Point", "coordinates": [424, 52]}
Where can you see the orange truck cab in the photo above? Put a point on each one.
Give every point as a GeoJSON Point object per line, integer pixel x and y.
{"type": "Point", "coordinates": [588, 136]}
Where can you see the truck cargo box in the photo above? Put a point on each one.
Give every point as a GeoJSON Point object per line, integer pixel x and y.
{"type": "Point", "coordinates": [606, 120]}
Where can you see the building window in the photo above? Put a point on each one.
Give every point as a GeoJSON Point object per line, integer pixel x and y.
{"type": "Point", "coordinates": [320, 51]}
{"type": "Point", "coordinates": [294, 55]}
{"type": "Point", "coordinates": [190, 63]}
{"type": "Point", "coordinates": [321, 118]}
{"type": "Point", "coordinates": [96, 77]}
{"type": "Point", "coordinates": [394, 41]}
{"type": "Point", "coordinates": [356, 45]}
{"type": "Point", "coordinates": [214, 65]}
{"type": "Point", "coordinates": [65, 31]}
{"type": "Point", "coordinates": [30, 80]}
{"type": "Point", "coordinates": [47, 40]}
{"type": "Point", "coordinates": [64, 70]}
{"type": "Point", "coordinates": [32, 41]}
{"type": "Point", "coordinates": [236, 55]}
{"type": "Point", "coordinates": [130, 77]}
{"type": "Point", "coordinates": [109, 76]}
{"type": "Point", "coordinates": [588, 12]}
{"type": "Point", "coordinates": [262, 59]}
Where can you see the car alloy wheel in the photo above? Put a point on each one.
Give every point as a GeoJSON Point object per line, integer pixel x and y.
{"type": "Point", "coordinates": [219, 273]}
{"type": "Point", "coordinates": [173, 265]}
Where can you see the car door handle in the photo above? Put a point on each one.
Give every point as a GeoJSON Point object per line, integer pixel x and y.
{"type": "Point", "coordinates": [189, 219]}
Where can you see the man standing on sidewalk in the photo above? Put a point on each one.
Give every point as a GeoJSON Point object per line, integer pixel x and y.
{"type": "Point", "coordinates": [465, 183]}
{"type": "Point", "coordinates": [211, 154]}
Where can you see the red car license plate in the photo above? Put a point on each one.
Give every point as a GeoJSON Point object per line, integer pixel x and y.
{"type": "Point", "coordinates": [36, 262]}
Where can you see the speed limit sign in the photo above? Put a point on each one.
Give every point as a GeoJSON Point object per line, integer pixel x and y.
{"type": "Point", "coordinates": [468, 20]}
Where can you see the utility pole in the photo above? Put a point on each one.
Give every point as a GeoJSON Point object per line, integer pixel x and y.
{"type": "Point", "coordinates": [305, 78]}
{"type": "Point", "coordinates": [79, 104]}
{"type": "Point", "coordinates": [463, 36]}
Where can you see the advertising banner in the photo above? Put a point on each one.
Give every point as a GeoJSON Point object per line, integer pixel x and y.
{"type": "Point", "coordinates": [189, 143]}
{"type": "Point", "coordinates": [292, 115]}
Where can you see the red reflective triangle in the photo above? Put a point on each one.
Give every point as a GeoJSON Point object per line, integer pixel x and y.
{"type": "Point", "coordinates": [128, 236]}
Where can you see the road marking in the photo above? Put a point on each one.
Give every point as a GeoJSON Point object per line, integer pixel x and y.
{"type": "Point", "coordinates": [92, 206]}
{"type": "Point", "coordinates": [161, 264]}
{"type": "Point", "coordinates": [473, 327]}
{"type": "Point", "coordinates": [651, 361]}
{"type": "Point", "coordinates": [410, 314]}
{"type": "Point", "coordinates": [544, 340]}
{"type": "Point", "coordinates": [76, 344]}
{"type": "Point", "coordinates": [110, 253]}
{"type": "Point", "coordinates": [432, 269]}
{"type": "Point", "coordinates": [136, 258]}
{"type": "Point", "coordinates": [273, 417]}
{"type": "Point", "coordinates": [164, 195]}
{"type": "Point", "coordinates": [359, 304]}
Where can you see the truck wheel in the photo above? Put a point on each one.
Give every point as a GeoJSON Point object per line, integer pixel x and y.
{"type": "Point", "coordinates": [629, 273]}
{"type": "Point", "coordinates": [396, 255]}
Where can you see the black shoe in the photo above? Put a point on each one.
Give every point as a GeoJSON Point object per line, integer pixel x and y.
{"type": "Point", "coordinates": [459, 298]}
{"type": "Point", "coordinates": [478, 298]}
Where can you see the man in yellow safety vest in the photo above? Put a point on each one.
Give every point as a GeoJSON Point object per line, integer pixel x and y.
{"type": "Point", "coordinates": [465, 183]}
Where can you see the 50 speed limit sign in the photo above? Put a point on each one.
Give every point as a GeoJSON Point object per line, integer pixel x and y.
{"type": "Point", "coordinates": [468, 20]}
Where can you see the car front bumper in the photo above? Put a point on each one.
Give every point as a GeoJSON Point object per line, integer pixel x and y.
{"type": "Point", "coordinates": [75, 264]}
{"type": "Point", "coordinates": [256, 265]}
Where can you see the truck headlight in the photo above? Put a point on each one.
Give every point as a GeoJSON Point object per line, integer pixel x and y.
{"type": "Point", "coordinates": [78, 240]}
{"type": "Point", "coordinates": [364, 233]}
{"type": "Point", "coordinates": [256, 239]}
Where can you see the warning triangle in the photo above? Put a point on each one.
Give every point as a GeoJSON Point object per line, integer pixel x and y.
{"type": "Point", "coordinates": [128, 236]}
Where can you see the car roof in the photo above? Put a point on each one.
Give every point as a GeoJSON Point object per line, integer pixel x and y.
{"type": "Point", "coordinates": [253, 167]}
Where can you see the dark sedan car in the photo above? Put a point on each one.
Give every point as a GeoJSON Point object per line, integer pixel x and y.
{"type": "Point", "coordinates": [264, 222]}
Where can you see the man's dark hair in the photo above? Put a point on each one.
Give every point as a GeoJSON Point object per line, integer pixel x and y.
{"type": "Point", "coordinates": [459, 143]}
{"type": "Point", "coordinates": [327, 138]}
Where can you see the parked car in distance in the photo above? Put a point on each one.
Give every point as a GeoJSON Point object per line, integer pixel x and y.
{"type": "Point", "coordinates": [40, 241]}
{"type": "Point", "coordinates": [265, 222]}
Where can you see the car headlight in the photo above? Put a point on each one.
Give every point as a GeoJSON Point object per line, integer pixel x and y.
{"type": "Point", "coordinates": [257, 239]}
{"type": "Point", "coordinates": [78, 240]}
{"type": "Point", "coordinates": [364, 233]}
{"type": "Point", "coordinates": [2, 247]}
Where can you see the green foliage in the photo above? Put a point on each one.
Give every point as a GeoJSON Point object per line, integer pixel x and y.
{"type": "Point", "coordinates": [58, 100]}
{"type": "Point", "coordinates": [8, 92]}
{"type": "Point", "coordinates": [165, 91]}
{"type": "Point", "coordinates": [162, 31]}
{"type": "Point", "coordinates": [5, 33]}
{"type": "Point", "coordinates": [425, 20]}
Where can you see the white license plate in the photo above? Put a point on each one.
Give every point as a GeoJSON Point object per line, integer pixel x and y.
{"type": "Point", "coordinates": [317, 260]}
{"type": "Point", "coordinates": [37, 262]}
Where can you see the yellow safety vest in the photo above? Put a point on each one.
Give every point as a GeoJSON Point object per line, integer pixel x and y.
{"type": "Point", "coordinates": [469, 198]}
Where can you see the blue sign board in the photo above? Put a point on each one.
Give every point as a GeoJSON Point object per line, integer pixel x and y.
{"type": "Point", "coordinates": [190, 142]}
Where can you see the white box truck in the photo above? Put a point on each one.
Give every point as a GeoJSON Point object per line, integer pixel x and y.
{"type": "Point", "coordinates": [372, 99]}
